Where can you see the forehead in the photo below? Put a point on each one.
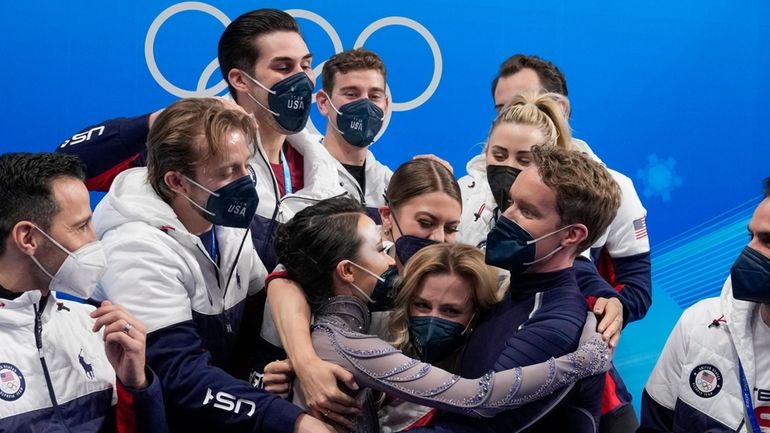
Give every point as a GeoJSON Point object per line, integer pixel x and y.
{"type": "Point", "coordinates": [72, 199]}
{"type": "Point", "coordinates": [364, 78]}
{"type": "Point", "coordinates": [510, 86]}
{"type": "Point", "coordinates": [515, 136]}
{"type": "Point", "coordinates": [439, 204]}
{"type": "Point", "coordinates": [760, 221]}
{"type": "Point", "coordinates": [445, 289]}
{"type": "Point", "coordinates": [368, 230]}
{"type": "Point", "coordinates": [280, 44]}
{"type": "Point", "coordinates": [529, 187]}
{"type": "Point", "coordinates": [234, 149]}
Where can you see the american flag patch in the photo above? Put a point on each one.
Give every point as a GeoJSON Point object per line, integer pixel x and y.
{"type": "Point", "coordinates": [6, 376]}
{"type": "Point", "coordinates": [640, 228]}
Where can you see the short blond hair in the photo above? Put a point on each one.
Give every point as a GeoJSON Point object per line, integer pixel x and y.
{"type": "Point", "coordinates": [585, 191]}
{"type": "Point", "coordinates": [188, 133]}
{"type": "Point", "coordinates": [464, 261]}
{"type": "Point", "coordinates": [540, 111]}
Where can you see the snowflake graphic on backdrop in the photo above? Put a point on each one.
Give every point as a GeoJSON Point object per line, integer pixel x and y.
{"type": "Point", "coordinates": [659, 177]}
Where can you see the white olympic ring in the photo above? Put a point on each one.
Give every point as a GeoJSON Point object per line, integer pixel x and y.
{"type": "Point", "coordinates": [149, 51]}
{"type": "Point", "coordinates": [202, 90]}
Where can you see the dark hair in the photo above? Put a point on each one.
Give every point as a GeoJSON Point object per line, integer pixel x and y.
{"type": "Point", "coordinates": [421, 176]}
{"type": "Point", "coordinates": [312, 243]}
{"type": "Point", "coordinates": [551, 78]}
{"type": "Point", "coordinates": [25, 188]}
{"type": "Point", "coordinates": [238, 44]}
{"type": "Point", "coordinates": [357, 59]}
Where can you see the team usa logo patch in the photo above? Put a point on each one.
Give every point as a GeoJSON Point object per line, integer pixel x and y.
{"type": "Point", "coordinates": [706, 380]}
{"type": "Point", "coordinates": [12, 384]}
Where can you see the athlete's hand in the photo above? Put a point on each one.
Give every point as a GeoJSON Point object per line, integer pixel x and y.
{"type": "Point", "coordinates": [610, 311]}
{"type": "Point", "coordinates": [124, 343]}
{"type": "Point", "coordinates": [318, 381]}
{"type": "Point", "coordinates": [277, 378]}
{"type": "Point", "coordinates": [433, 157]}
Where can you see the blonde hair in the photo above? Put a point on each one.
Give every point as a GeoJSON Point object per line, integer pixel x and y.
{"type": "Point", "coordinates": [462, 260]}
{"type": "Point", "coordinates": [585, 191]}
{"type": "Point", "coordinates": [188, 133]}
{"type": "Point", "coordinates": [540, 111]}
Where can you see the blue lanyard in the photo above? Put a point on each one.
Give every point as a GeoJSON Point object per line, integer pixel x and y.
{"type": "Point", "coordinates": [747, 400]}
{"type": "Point", "coordinates": [286, 175]}
{"type": "Point", "coordinates": [214, 245]}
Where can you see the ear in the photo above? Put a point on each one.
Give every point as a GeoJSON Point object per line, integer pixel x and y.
{"type": "Point", "coordinates": [385, 216]}
{"type": "Point", "coordinates": [21, 236]}
{"type": "Point", "coordinates": [575, 235]}
{"type": "Point", "coordinates": [173, 180]}
{"type": "Point", "coordinates": [563, 102]}
{"type": "Point", "coordinates": [238, 80]}
{"type": "Point", "coordinates": [322, 102]}
{"type": "Point", "coordinates": [344, 271]}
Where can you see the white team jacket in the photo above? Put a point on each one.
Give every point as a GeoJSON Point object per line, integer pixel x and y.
{"type": "Point", "coordinates": [82, 379]}
{"type": "Point", "coordinates": [156, 267]}
{"type": "Point", "coordinates": [696, 375]}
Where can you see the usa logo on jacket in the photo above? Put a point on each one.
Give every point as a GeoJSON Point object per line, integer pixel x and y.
{"type": "Point", "coordinates": [706, 380]}
{"type": "Point", "coordinates": [12, 384]}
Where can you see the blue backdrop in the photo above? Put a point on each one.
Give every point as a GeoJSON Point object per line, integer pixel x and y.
{"type": "Point", "coordinates": [673, 94]}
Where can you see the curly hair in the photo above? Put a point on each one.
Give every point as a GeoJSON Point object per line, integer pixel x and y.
{"type": "Point", "coordinates": [585, 191]}
{"type": "Point", "coordinates": [358, 59]}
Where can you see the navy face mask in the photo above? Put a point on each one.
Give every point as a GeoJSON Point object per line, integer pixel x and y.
{"type": "Point", "coordinates": [288, 100]}
{"type": "Point", "coordinates": [384, 292]}
{"type": "Point", "coordinates": [233, 205]}
{"type": "Point", "coordinates": [408, 245]}
{"type": "Point", "coordinates": [500, 178]}
{"type": "Point", "coordinates": [358, 121]}
{"type": "Point", "coordinates": [750, 276]}
{"type": "Point", "coordinates": [511, 247]}
{"type": "Point", "coordinates": [435, 338]}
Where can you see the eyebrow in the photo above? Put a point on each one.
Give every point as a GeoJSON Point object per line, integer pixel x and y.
{"type": "Point", "coordinates": [83, 221]}
{"type": "Point", "coordinates": [290, 59]}
{"type": "Point", "coordinates": [440, 305]}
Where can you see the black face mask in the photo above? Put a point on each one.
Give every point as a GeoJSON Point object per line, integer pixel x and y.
{"type": "Point", "coordinates": [288, 100]}
{"type": "Point", "coordinates": [408, 245]}
{"type": "Point", "coordinates": [384, 293]}
{"type": "Point", "coordinates": [500, 178]}
{"type": "Point", "coordinates": [750, 277]}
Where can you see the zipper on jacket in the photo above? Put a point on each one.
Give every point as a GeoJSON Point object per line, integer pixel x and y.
{"type": "Point", "coordinates": [41, 354]}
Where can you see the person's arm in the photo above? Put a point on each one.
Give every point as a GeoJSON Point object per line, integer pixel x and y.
{"type": "Point", "coordinates": [206, 395]}
{"type": "Point", "coordinates": [661, 391]}
{"type": "Point", "coordinates": [624, 260]}
{"type": "Point", "coordinates": [602, 299]}
{"type": "Point", "coordinates": [140, 398]}
{"type": "Point", "coordinates": [382, 367]}
{"type": "Point", "coordinates": [196, 392]}
{"type": "Point", "coordinates": [110, 147]}
{"type": "Point", "coordinates": [291, 314]}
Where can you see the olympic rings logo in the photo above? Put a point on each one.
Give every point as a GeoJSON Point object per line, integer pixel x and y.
{"type": "Point", "coordinates": [202, 89]}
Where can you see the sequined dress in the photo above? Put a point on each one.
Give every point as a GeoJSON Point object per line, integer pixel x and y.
{"type": "Point", "coordinates": [339, 336]}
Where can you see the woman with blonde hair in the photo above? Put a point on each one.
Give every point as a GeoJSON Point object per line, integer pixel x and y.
{"type": "Point", "coordinates": [446, 288]}
{"type": "Point", "coordinates": [529, 119]}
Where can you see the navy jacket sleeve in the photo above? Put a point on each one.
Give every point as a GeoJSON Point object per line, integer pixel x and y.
{"type": "Point", "coordinates": [655, 417]}
{"type": "Point", "coordinates": [201, 397]}
{"type": "Point", "coordinates": [626, 278]}
{"type": "Point", "coordinates": [140, 411]}
{"type": "Point", "coordinates": [109, 148]}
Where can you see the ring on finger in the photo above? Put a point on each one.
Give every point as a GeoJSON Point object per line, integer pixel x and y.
{"type": "Point", "coordinates": [127, 328]}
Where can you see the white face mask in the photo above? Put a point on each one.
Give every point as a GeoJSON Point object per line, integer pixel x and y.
{"type": "Point", "coordinates": [81, 270]}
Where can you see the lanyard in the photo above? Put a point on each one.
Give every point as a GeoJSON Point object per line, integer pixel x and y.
{"type": "Point", "coordinates": [747, 400]}
{"type": "Point", "coordinates": [286, 175]}
{"type": "Point", "coordinates": [214, 252]}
